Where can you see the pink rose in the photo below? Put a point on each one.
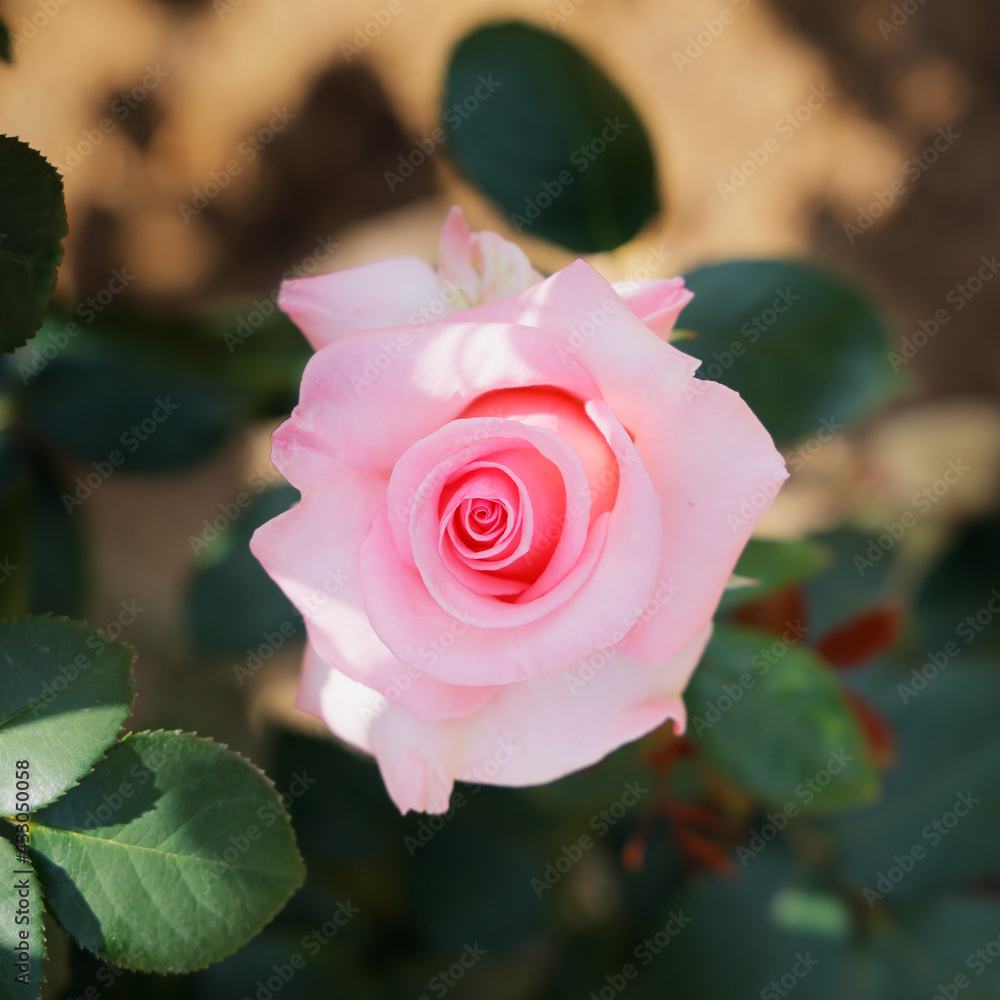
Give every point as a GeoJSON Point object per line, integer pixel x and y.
{"type": "Point", "coordinates": [519, 511]}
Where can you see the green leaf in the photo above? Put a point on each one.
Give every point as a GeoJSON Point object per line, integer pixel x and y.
{"type": "Point", "coordinates": [171, 854]}
{"type": "Point", "coordinates": [549, 137]}
{"type": "Point", "coordinates": [32, 226]}
{"type": "Point", "coordinates": [19, 918]}
{"type": "Point", "coordinates": [65, 690]}
{"type": "Point", "coordinates": [948, 747]}
{"type": "Point", "coordinates": [774, 565]}
{"type": "Point", "coordinates": [772, 717]}
{"type": "Point", "coordinates": [806, 350]}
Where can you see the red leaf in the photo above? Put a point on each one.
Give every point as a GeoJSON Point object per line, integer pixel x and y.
{"type": "Point", "coordinates": [863, 637]}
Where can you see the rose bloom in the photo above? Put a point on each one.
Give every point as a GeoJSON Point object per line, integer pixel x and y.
{"type": "Point", "coordinates": [519, 511]}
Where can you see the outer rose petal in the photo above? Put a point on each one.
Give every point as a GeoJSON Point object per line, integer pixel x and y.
{"type": "Point", "coordinates": [716, 471]}
{"type": "Point", "coordinates": [480, 267]}
{"type": "Point", "coordinates": [387, 293]}
{"type": "Point", "coordinates": [526, 734]}
{"type": "Point", "coordinates": [656, 303]}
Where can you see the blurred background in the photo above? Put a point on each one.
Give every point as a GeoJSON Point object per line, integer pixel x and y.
{"type": "Point", "coordinates": [843, 161]}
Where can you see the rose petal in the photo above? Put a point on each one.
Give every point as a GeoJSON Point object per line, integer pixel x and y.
{"type": "Point", "coordinates": [527, 734]}
{"type": "Point", "coordinates": [393, 292]}
{"type": "Point", "coordinates": [656, 303]}
{"type": "Point", "coordinates": [480, 267]}
{"type": "Point", "coordinates": [715, 478]}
